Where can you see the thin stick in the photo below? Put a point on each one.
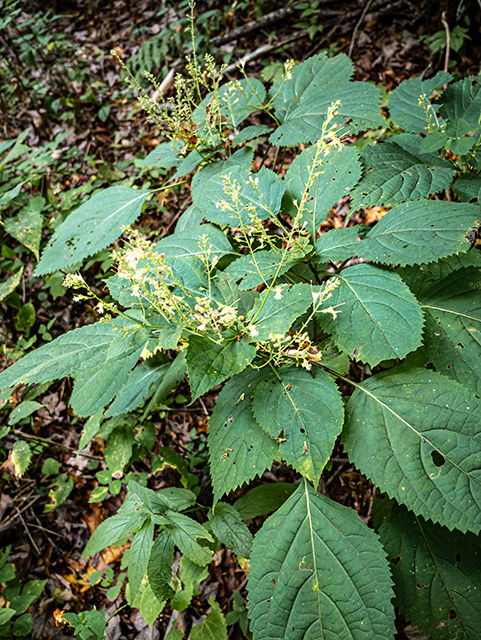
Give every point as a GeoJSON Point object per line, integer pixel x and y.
{"type": "Point", "coordinates": [448, 42]}
{"type": "Point", "coordinates": [358, 24]}
{"type": "Point", "coordinates": [27, 436]}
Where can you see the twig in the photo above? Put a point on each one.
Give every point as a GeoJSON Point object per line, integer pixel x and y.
{"type": "Point", "coordinates": [244, 29]}
{"type": "Point", "coordinates": [358, 24]}
{"type": "Point", "coordinates": [52, 443]}
{"type": "Point", "coordinates": [448, 42]}
{"type": "Point", "coordinates": [27, 531]}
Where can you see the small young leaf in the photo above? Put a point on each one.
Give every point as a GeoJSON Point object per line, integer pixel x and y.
{"type": "Point", "coordinates": [191, 575]}
{"type": "Point", "coordinates": [214, 626]}
{"type": "Point", "coordinates": [139, 554]}
{"type": "Point", "coordinates": [327, 574]}
{"type": "Point", "coordinates": [23, 410]}
{"type": "Point", "coordinates": [437, 574]}
{"type": "Point", "coordinates": [159, 569]}
{"type": "Point", "coordinates": [59, 491]}
{"type": "Point", "coordinates": [90, 429]}
{"type": "Point", "coordinates": [21, 455]}
{"type": "Point", "coordinates": [228, 527]}
{"type": "Point", "coordinates": [185, 533]}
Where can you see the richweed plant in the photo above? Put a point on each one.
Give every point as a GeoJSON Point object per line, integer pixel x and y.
{"type": "Point", "coordinates": [247, 293]}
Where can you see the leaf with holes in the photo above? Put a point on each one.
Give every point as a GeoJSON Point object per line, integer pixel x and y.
{"type": "Point", "coordinates": [239, 449]}
{"type": "Point", "coordinates": [453, 326]}
{"type": "Point", "coordinates": [437, 575]}
{"type": "Point", "coordinates": [420, 232]}
{"type": "Point", "coordinates": [394, 175]}
{"type": "Point", "coordinates": [91, 227]}
{"type": "Point", "coordinates": [306, 414]}
{"type": "Point", "coordinates": [417, 435]}
{"type": "Point", "coordinates": [318, 572]}
{"type": "Point", "coordinates": [378, 317]}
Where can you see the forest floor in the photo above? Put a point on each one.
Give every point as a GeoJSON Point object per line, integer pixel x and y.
{"type": "Point", "coordinates": [81, 93]}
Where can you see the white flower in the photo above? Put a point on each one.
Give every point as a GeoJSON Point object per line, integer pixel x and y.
{"type": "Point", "coordinates": [252, 331]}
{"type": "Point", "coordinates": [278, 291]}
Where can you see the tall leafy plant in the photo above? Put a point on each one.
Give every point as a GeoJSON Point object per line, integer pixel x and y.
{"type": "Point", "coordinates": [249, 294]}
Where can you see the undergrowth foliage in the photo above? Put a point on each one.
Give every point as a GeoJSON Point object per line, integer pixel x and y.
{"type": "Point", "coordinates": [246, 293]}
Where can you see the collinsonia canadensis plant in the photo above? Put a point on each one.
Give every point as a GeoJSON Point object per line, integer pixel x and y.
{"type": "Point", "coordinates": [246, 292]}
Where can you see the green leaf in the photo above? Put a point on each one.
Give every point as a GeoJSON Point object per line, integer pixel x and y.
{"type": "Point", "coordinates": [437, 573]}
{"type": "Point", "coordinates": [340, 244]}
{"type": "Point", "coordinates": [118, 450]}
{"type": "Point", "coordinates": [96, 386]}
{"type": "Point", "coordinates": [23, 625]}
{"type": "Point", "coordinates": [7, 573]}
{"type": "Point", "coordinates": [150, 606]}
{"type": "Point", "coordinates": [239, 98]}
{"type": "Point", "coordinates": [174, 498]}
{"type": "Point", "coordinates": [137, 387]}
{"type": "Point", "coordinates": [23, 410]}
{"type": "Point", "coordinates": [468, 187]}
{"type": "Point", "coordinates": [92, 227]}
{"type": "Point", "coordinates": [60, 489]}
{"type": "Point", "coordinates": [90, 430]}
{"type": "Point", "coordinates": [251, 132]}
{"type": "Point", "coordinates": [302, 101]}
{"type": "Point", "coordinates": [261, 192]}
{"type": "Point", "coordinates": [159, 569]}
{"type": "Point", "coordinates": [461, 146]}
{"type": "Point", "coordinates": [227, 526]}
{"type": "Point", "coordinates": [168, 457]}
{"type": "Point", "coordinates": [306, 411]}
{"type": "Point", "coordinates": [420, 232]}
{"type": "Point", "coordinates": [113, 531]}
{"type": "Point", "coordinates": [9, 285]}
{"type": "Point", "coordinates": [66, 355]}
{"type": "Point", "coordinates": [185, 244]}
{"type": "Point", "coordinates": [275, 310]}
{"type": "Point", "coordinates": [209, 363]}
{"type": "Point", "coordinates": [163, 156]}
{"type": "Point", "coordinates": [318, 572]}
{"type": "Point", "coordinates": [139, 554]}
{"type": "Point", "coordinates": [239, 448]}
{"type": "Point", "coordinates": [263, 499]}
{"type": "Point", "coordinates": [98, 494]}
{"type": "Point", "coordinates": [378, 317]}
{"type": "Point", "coordinates": [174, 634]}
{"type": "Point", "coordinates": [462, 100]}
{"type": "Point", "coordinates": [174, 374]}
{"type": "Point", "coordinates": [213, 627]}
{"type": "Point", "coordinates": [453, 327]}
{"type": "Point", "coordinates": [50, 466]}
{"type": "Point", "coordinates": [259, 268]}
{"type": "Point", "coordinates": [338, 172]}
{"type": "Point", "coordinates": [394, 176]}
{"type": "Point", "coordinates": [185, 533]}
{"type": "Point", "coordinates": [417, 436]}
{"type": "Point", "coordinates": [457, 128]}
{"type": "Point", "coordinates": [404, 105]}
{"type": "Point", "coordinates": [433, 141]}
{"type": "Point", "coordinates": [26, 227]}
{"type": "Point", "coordinates": [11, 194]}
{"type": "Point", "coordinates": [21, 455]}
{"type": "Point", "coordinates": [191, 575]}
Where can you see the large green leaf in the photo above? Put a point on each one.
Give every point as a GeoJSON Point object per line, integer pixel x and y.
{"type": "Point", "coordinates": [264, 499]}
{"type": "Point", "coordinates": [66, 355]}
{"type": "Point", "coordinates": [92, 227]}
{"type": "Point", "coordinates": [306, 411]}
{"type": "Point", "coordinates": [239, 448]}
{"type": "Point", "coordinates": [468, 187]}
{"type": "Point", "coordinates": [318, 572]}
{"type": "Point", "coordinates": [437, 575]}
{"type": "Point", "coordinates": [462, 100]}
{"type": "Point", "coordinates": [186, 533]}
{"type": "Point", "coordinates": [303, 101]}
{"type": "Point", "coordinates": [113, 531]}
{"type": "Point", "coordinates": [337, 173]}
{"type": "Point", "coordinates": [159, 569]}
{"type": "Point", "coordinates": [378, 316]}
{"type": "Point", "coordinates": [417, 435]}
{"type": "Point", "coordinates": [393, 175]}
{"type": "Point", "coordinates": [420, 232]}
{"type": "Point", "coordinates": [228, 527]}
{"type": "Point", "coordinates": [209, 363]}
{"type": "Point", "coordinates": [241, 161]}
{"type": "Point", "coordinates": [404, 104]}
{"type": "Point", "coordinates": [275, 310]}
{"type": "Point", "coordinates": [259, 268]}
{"type": "Point", "coordinates": [185, 244]}
{"type": "Point", "coordinates": [453, 327]}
